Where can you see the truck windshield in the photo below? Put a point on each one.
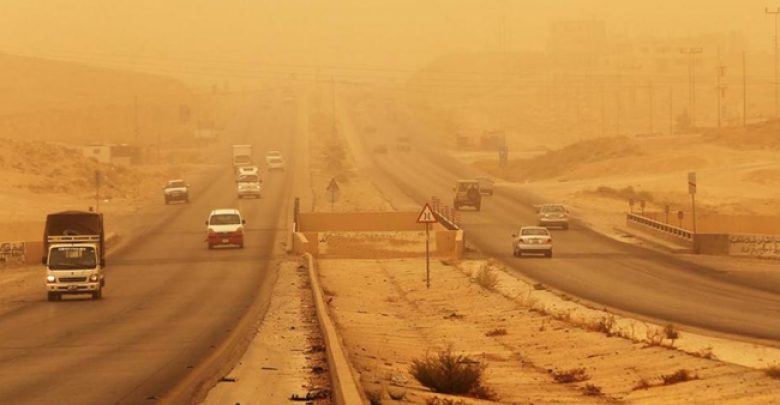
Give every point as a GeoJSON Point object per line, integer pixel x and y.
{"type": "Point", "coordinates": [69, 258]}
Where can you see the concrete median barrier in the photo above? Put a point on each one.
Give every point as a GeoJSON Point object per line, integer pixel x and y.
{"type": "Point", "coordinates": [345, 388]}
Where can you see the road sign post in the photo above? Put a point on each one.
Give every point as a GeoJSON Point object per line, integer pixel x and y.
{"type": "Point", "coordinates": [692, 192]}
{"type": "Point", "coordinates": [427, 217]}
{"type": "Point", "coordinates": [333, 191]}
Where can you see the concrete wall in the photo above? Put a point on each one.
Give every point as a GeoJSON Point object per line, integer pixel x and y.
{"type": "Point", "coordinates": [372, 235]}
{"type": "Point", "coordinates": [361, 221]}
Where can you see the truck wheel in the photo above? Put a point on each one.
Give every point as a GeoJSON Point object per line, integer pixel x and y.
{"type": "Point", "coordinates": [97, 294]}
{"type": "Point", "coordinates": [53, 296]}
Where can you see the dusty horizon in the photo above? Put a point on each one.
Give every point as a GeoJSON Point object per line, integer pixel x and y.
{"type": "Point", "coordinates": [207, 41]}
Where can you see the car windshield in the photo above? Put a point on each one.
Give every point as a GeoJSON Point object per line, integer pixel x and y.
{"type": "Point", "coordinates": [275, 159]}
{"type": "Point", "coordinates": [225, 219]}
{"type": "Point", "coordinates": [274, 153]}
{"type": "Point", "coordinates": [467, 186]}
{"type": "Point", "coordinates": [534, 232]}
{"type": "Point", "coordinates": [69, 258]}
{"type": "Point", "coordinates": [553, 208]}
{"type": "Point", "coordinates": [172, 184]}
{"type": "Point", "coordinates": [248, 178]}
{"type": "Point", "coordinates": [242, 159]}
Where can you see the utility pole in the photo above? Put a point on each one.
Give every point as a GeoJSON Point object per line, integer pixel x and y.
{"type": "Point", "coordinates": [650, 103]}
{"type": "Point", "coordinates": [744, 90]}
{"type": "Point", "coordinates": [691, 52]}
{"type": "Point", "coordinates": [720, 88]}
{"type": "Point", "coordinates": [774, 13]}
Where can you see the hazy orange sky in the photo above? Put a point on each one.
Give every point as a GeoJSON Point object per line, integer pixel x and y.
{"type": "Point", "coordinates": [239, 38]}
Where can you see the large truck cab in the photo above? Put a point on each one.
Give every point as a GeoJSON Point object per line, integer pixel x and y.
{"type": "Point", "coordinates": [73, 248]}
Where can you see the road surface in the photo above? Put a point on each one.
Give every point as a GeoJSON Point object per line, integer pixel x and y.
{"type": "Point", "coordinates": [169, 300]}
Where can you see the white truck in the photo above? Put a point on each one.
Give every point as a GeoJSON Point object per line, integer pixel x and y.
{"type": "Point", "coordinates": [73, 253]}
{"type": "Point", "coordinates": [242, 156]}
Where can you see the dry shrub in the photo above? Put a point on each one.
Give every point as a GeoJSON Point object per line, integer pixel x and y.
{"type": "Point", "coordinates": [654, 336]}
{"type": "Point", "coordinates": [570, 376]}
{"type": "Point", "coordinates": [642, 384]}
{"type": "Point", "coordinates": [773, 372]}
{"type": "Point", "coordinates": [444, 401]}
{"type": "Point", "coordinates": [625, 193]}
{"type": "Point", "coordinates": [496, 332]}
{"type": "Point", "coordinates": [374, 397]}
{"type": "Point", "coordinates": [450, 373]}
{"type": "Point", "coordinates": [671, 332]}
{"type": "Point", "coordinates": [487, 278]}
{"type": "Point", "coordinates": [681, 375]}
{"type": "Point", "coordinates": [706, 353]}
{"type": "Point", "coordinates": [592, 390]}
{"type": "Point", "coordinates": [605, 325]}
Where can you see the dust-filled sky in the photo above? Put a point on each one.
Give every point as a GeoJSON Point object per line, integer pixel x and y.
{"type": "Point", "coordinates": [236, 38]}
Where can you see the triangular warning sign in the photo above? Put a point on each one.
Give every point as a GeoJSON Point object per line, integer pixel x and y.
{"type": "Point", "coordinates": [426, 216]}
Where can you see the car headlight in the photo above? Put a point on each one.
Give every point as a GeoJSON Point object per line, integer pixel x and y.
{"type": "Point", "coordinates": [51, 279]}
{"type": "Point", "coordinates": [93, 278]}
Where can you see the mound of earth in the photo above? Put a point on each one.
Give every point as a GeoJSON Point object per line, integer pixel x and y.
{"type": "Point", "coordinates": [762, 135]}
{"type": "Point", "coordinates": [557, 163]}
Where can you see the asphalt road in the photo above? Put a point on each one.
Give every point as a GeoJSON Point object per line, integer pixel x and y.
{"type": "Point", "coordinates": [169, 300]}
{"type": "Point", "coordinates": [586, 264]}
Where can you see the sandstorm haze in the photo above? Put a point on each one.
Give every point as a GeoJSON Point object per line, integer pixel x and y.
{"type": "Point", "coordinates": [238, 40]}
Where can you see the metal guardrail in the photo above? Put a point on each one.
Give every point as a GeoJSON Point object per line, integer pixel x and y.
{"type": "Point", "coordinates": [446, 216]}
{"type": "Point", "coordinates": [660, 226]}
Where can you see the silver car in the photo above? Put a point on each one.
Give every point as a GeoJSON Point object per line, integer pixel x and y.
{"type": "Point", "coordinates": [532, 239]}
{"type": "Point", "coordinates": [553, 215]}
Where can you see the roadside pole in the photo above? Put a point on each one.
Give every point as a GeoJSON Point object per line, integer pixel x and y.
{"type": "Point", "coordinates": [333, 191]}
{"type": "Point", "coordinates": [692, 192]}
{"type": "Point", "coordinates": [426, 217]}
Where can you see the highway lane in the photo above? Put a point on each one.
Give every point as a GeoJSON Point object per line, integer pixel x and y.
{"type": "Point", "coordinates": [169, 300]}
{"type": "Point", "coordinates": [589, 265]}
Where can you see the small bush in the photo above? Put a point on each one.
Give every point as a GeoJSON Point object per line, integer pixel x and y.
{"type": "Point", "coordinates": [444, 401]}
{"type": "Point", "coordinates": [592, 390]}
{"type": "Point", "coordinates": [642, 384]}
{"type": "Point", "coordinates": [570, 376]}
{"type": "Point", "coordinates": [681, 375]}
{"type": "Point", "coordinates": [654, 336]}
{"type": "Point", "coordinates": [450, 373]}
{"type": "Point", "coordinates": [671, 332]}
{"type": "Point", "coordinates": [496, 332]}
{"type": "Point", "coordinates": [374, 397]}
{"type": "Point", "coordinates": [487, 278]}
{"type": "Point", "coordinates": [605, 325]}
{"type": "Point", "coordinates": [773, 372]}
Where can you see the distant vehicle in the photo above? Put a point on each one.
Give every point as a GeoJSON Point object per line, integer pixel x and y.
{"type": "Point", "coordinates": [274, 162]}
{"type": "Point", "coordinates": [553, 215]}
{"type": "Point", "coordinates": [242, 156]}
{"type": "Point", "coordinates": [467, 194]}
{"type": "Point", "coordinates": [273, 153]}
{"type": "Point", "coordinates": [404, 144]}
{"type": "Point", "coordinates": [248, 185]}
{"type": "Point", "coordinates": [532, 239]}
{"type": "Point", "coordinates": [382, 149]}
{"type": "Point", "coordinates": [74, 254]}
{"type": "Point", "coordinates": [225, 227]}
{"type": "Point", "coordinates": [176, 190]}
{"type": "Point", "coordinates": [248, 170]}
{"type": "Point", "coordinates": [485, 185]}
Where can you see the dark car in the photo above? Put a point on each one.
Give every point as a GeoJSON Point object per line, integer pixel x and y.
{"type": "Point", "coordinates": [467, 194]}
{"type": "Point", "coordinates": [176, 190]}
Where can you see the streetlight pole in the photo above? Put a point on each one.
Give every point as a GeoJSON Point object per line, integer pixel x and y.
{"type": "Point", "coordinates": [691, 52]}
{"type": "Point", "coordinates": [775, 13]}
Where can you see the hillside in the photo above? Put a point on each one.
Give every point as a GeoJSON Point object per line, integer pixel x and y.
{"type": "Point", "coordinates": [50, 100]}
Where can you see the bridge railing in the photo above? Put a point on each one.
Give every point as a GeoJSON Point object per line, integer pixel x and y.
{"type": "Point", "coordinates": [660, 226]}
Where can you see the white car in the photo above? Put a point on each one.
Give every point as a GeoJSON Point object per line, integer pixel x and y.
{"type": "Point", "coordinates": [532, 239]}
{"type": "Point", "coordinates": [225, 227]}
{"type": "Point", "coordinates": [275, 162]}
{"type": "Point", "coordinates": [248, 185]}
{"type": "Point", "coordinates": [248, 170]}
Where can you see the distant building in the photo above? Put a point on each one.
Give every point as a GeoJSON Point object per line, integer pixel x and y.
{"type": "Point", "coordinates": [113, 154]}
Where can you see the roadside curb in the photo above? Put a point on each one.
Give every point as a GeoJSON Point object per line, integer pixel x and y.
{"type": "Point", "coordinates": [345, 389]}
